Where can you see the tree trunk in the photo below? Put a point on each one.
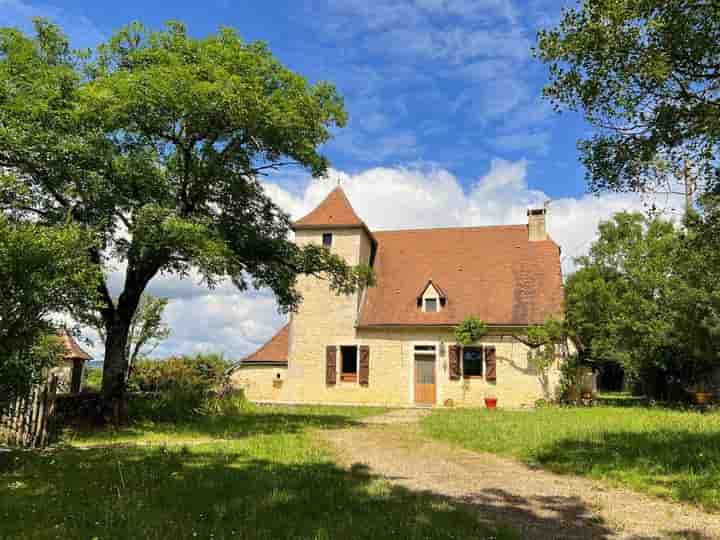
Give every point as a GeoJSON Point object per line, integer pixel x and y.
{"type": "Point", "coordinates": [118, 321]}
{"type": "Point", "coordinates": [115, 368]}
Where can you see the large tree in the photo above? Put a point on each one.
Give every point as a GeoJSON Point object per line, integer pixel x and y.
{"type": "Point", "coordinates": [646, 73]}
{"type": "Point", "coordinates": [44, 271]}
{"type": "Point", "coordinates": [156, 142]}
{"type": "Point", "coordinates": [646, 297]}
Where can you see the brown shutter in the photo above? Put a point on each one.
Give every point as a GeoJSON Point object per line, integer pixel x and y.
{"type": "Point", "coordinates": [490, 364]}
{"type": "Point", "coordinates": [454, 362]}
{"type": "Point", "coordinates": [364, 374]}
{"type": "Point", "coordinates": [331, 365]}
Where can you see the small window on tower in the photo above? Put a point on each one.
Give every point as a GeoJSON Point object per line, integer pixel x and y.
{"type": "Point", "coordinates": [431, 305]}
{"type": "Point", "coordinates": [327, 239]}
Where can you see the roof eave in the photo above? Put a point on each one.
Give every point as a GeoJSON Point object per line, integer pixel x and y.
{"type": "Point", "coordinates": [299, 227]}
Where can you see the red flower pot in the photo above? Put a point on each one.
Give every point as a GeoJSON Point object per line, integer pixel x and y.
{"type": "Point", "coordinates": [491, 402]}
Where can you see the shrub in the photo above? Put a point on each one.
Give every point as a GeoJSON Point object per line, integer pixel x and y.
{"type": "Point", "coordinates": [93, 378]}
{"type": "Point", "coordinates": [572, 375]}
{"type": "Point", "coordinates": [176, 388]}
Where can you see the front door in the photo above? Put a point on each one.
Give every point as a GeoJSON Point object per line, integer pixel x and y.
{"type": "Point", "coordinates": [425, 379]}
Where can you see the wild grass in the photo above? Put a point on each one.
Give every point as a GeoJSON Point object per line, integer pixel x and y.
{"type": "Point", "coordinates": [670, 454]}
{"type": "Point", "coordinates": [259, 475]}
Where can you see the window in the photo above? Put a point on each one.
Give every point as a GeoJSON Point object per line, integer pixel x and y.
{"type": "Point", "coordinates": [327, 239]}
{"type": "Point", "coordinates": [431, 305]}
{"type": "Point", "coordinates": [349, 363]}
{"type": "Point", "coordinates": [472, 362]}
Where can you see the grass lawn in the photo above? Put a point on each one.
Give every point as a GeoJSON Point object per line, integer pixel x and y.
{"type": "Point", "coordinates": [262, 475]}
{"type": "Point", "coordinates": [671, 454]}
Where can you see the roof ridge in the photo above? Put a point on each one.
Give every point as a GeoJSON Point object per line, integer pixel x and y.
{"type": "Point", "coordinates": [453, 228]}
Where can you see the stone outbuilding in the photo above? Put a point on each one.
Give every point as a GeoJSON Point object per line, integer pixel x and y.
{"type": "Point", "coordinates": [70, 370]}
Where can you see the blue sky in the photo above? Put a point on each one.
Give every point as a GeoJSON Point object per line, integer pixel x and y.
{"type": "Point", "coordinates": [447, 126]}
{"type": "Point", "coordinates": [445, 82]}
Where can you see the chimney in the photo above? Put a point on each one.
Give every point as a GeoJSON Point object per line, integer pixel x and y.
{"type": "Point", "coordinates": [536, 224]}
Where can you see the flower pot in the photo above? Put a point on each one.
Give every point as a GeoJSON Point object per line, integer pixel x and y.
{"type": "Point", "coordinates": [702, 398]}
{"type": "Point", "coordinates": [491, 402]}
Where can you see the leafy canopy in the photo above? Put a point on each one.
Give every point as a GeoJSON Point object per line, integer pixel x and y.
{"type": "Point", "coordinates": [157, 142]}
{"type": "Point", "coordinates": [43, 272]}
{"type": "Point", "coordinates": [646, 73]}
{"type": "Point", "coordinates": [646, 297]}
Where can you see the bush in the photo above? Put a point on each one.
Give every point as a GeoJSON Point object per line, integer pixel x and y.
{"type": "Point", "coordinates": [573, 374]}
{"type": "Point", "coordinates": [178, 387]}
{"type": "Point", "coordinates": [93, 378]}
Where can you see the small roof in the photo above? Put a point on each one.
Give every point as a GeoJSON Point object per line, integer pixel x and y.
{"type": "Point", "coordinates": [74, 351]}
{"type": "Point", "coordinates": [435, 286]}
{"type": "Point", "coordinates": [275, 351]}
{"type": "Point", "coordinates": [334, 210]}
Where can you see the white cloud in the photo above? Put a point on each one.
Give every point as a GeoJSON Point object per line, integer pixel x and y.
{"type": "Point", "coordinates": [398, 197]}
{"type": "Point", "coordinates": [225, 320]}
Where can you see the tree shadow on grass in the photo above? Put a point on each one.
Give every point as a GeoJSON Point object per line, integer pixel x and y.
{"type": "Point", "coordinates": [228, 492]}
{"type": "Point", "coordinates": [224, 427]}
{"type": "Point", "coordinates": [557, 517]}
{"type": "Point", "coordinates": [676, 464]}
{"type": "Point", "coordinates": [184, 493]}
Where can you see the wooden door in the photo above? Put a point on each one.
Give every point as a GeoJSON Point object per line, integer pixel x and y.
{"type": "Point", "coordinates": [425, 379]}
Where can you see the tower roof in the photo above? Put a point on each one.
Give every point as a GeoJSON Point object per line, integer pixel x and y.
{"type": "Point", "coordinates": [335, 210]}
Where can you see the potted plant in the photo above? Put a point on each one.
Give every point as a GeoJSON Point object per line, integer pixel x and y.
{"type": "Point", "coordinates": [701, 394]}
{"type": "Point", "coordinates": [491, 402]}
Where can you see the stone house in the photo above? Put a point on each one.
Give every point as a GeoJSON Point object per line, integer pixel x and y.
{"type": "Point", "coordinates": [393, 344]}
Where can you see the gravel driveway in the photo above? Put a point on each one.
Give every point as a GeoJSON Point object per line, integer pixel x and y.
{"type": "Point", "coordinates": [538, 504]}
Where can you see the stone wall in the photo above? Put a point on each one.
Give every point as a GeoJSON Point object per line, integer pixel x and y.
{"type": "Point", "coordinates": [518, 383]}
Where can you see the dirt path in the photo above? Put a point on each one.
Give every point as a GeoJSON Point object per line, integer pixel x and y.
{"type": "Point", "coordinates": [538, 504]}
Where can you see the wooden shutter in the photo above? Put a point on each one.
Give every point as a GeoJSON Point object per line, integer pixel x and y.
{"type": "Point", "coordinates": [454, 362]}
{"type": "Point", "coordinates": [331, 365]}
{"type": "Point", "coordinates": [364, 375]}
{"type": "Point", "coordinates": [490, 364]}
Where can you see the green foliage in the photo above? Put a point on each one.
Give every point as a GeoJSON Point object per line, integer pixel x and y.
{"type": "Point", "coordinates": [43, 272]}
{"type": "Point", "coordinates": [181, 386]}
{"type": "Point", "coordinates": [93, 378]}
{"type": "Point", "coordinates": [470, 330]}
{"type": "Point", "coordinates": [157, 144]}
{"type": "Point", "coordinates": [665, 453]}
{"type": "Point", "coordinates": [645, 74]}
{"type": "Point", "coordinates": [646, 297]}
{"type": "Point", "coordinates": [544, 341]}
{"type": "Point", "coordinates": [572, 376]}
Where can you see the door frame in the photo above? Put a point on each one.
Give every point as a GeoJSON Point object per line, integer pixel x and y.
{"type": "Point", "coordinates": [435, 354]}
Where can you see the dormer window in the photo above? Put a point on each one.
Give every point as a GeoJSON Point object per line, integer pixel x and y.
{"type": "Point", "coordinates": [432, 298]}
{"type": "Point", "coordinates": [327, 239]}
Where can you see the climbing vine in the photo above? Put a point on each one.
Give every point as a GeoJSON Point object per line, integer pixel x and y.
{"type": "Point", "coordinates": [470, 330]}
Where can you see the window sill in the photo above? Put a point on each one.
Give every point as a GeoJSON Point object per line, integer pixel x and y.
{"type": "Point", "coordinates": [348, 378]}
{"type": "Point", "coordinates": [473, 377]}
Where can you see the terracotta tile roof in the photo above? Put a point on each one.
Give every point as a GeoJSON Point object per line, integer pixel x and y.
{"type": "Point", "coordinates": [74, 351]}
{"type": "Point", "coordinates": [334, 210]}
{"type": "Point", "coordinates": [275, 350]}
{"type": "Point", "coordinates": [495, 273]}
